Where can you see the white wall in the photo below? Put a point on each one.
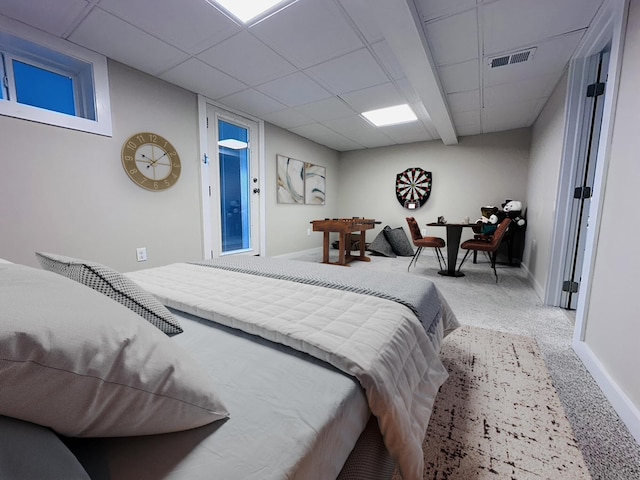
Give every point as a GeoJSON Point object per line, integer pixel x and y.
{"type": "Point", "coordinates": [545, 158]}
{"type": "Point", "coordinates": [65, 191]}
{"type": "Point", "coordinates": [287, 224]}
{"type": "Point", "coordinates": [612, 333]}
{"type": "Point", "coordinates": [480, 170]}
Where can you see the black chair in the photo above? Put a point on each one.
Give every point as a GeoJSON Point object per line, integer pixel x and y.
{"type": "Point", "coordinates": [421, 242]}
{"type": "Point", "coordinates": [489, 244]}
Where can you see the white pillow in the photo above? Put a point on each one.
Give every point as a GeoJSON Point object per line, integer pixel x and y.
{"type": "Point", "coordinates": [74, 360]}
{"type": "Point", "coordinates": [114, 285]}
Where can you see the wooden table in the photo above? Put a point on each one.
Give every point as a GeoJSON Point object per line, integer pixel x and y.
{"type": "Point", "coordinates": [454, 232]}
{"type": "Point", "coordinates": [344, 227]}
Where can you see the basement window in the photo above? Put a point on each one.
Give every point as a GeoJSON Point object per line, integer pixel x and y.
{"type": "Point", "coordinates": [48, 80]}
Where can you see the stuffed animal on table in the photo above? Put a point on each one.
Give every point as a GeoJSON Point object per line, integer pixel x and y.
{"type": "Point", "coordinates": [513, 210]}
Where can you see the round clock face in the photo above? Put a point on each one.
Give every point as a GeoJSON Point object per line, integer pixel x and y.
{"type": "Point", "coordinates": [151, 161]}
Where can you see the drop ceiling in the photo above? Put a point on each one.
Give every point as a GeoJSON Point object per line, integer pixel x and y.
{"type": "Point", "coordinates": [314, 66]}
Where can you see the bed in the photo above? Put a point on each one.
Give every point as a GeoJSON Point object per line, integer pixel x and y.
{"type": "Point", "coordinates": [312, 364]}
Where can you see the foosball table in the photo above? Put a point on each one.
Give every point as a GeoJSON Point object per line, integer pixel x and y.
{"type": "Point", "coordinates": [344, 227]}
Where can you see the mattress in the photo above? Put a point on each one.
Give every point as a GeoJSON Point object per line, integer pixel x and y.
{"type": "Point", "coordinates": [386, 341]}
{"type": "Point", "coordinates": [292, 417]}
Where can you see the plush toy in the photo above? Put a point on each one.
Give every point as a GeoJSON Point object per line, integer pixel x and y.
{"type": "Point", "coordinates": [513, 210]}
{"type": "Point", "coordinates": [491, 217]}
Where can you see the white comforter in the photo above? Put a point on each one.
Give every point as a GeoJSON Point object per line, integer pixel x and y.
{"type": "Point", "coordinates": [378, 341]}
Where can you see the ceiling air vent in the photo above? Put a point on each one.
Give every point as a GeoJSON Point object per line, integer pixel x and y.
{"type": "Point", "coordinates": [510, 59]}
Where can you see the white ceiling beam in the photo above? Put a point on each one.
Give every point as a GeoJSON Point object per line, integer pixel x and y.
{"type": "Point", "coordinates": [406, 39]}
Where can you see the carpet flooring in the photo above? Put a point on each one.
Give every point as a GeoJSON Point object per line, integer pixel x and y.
{"type": "Point", "coordinates": [511, 306]}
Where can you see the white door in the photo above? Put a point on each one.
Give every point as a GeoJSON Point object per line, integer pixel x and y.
{"type": "Point", "coordinates": [234, 183]}
{"type": "Point", "coordinates": [584, 180]}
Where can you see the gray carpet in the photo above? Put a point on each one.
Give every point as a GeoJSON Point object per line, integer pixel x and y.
{"type": "Point", "coordinates": [512, 306]}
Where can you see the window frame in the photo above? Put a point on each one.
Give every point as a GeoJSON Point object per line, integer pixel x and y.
{"type": "Point", "coordinates": [89, 70]}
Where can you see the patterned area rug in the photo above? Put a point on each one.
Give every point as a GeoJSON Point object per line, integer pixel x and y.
{"type": "Point", "coordinates": [498, 416]}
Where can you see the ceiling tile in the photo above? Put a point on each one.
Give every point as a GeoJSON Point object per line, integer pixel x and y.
{"type": "Point", "coordinates": [408, 132]}
{"type": "Point", "coordinates": [55, 18]}
{"type": "Point", "coordinates": [510, 24]}
{"type": "Point", "coordinates": [338, 142]}
{"type": "Point", "coordinates": [308, 32]}
{"type": "Point", "coordinates": [430, 9]}
{"type": "Point", "coordinates": [454, 39]}
{"type": "Point", "coordinates": [464, 101]}
{"type": "Point", "coordinates": [327, 109]}
{"type": "Point", "coordinates": [471, 117]}
{"type": "Point", "coordinates": [364, 18]}
{"type": "Point", "coordinates": [360, 131]}
{"type": "Point", "coordinates": [350, 72]}
{"type": "Point", "coordinates": [379, 96]}
{"type": "Point", "coordinates": [468, 130]}
{"type": "Point", "coordinates": [467, 123]}
{"type": "Point", "coordinates": [200, 78]}
{"type": "Point", "coordinates": [288, 118]}
{"type": "Point", "coordinates": [253, 102]}
{"type": "Point", "coordinates": [110, 36]}
{"type": "Point", "coordinates": [460, 77]}
{"type": "Point", "coordinates": [550, 56]}
{"type": "Point", "coordinates": [295, 89]}
{"type": "Point", "coordinates": [508, 116]}
{"type": "Point", "coordinates": [533, 88]}
{"type": "Point", "coordinates": [325, 136]}
{"type": "Point", "coordinates": [190, 29]}
{"type": "Point", "coordinates": [248, 59]}
{"type": "Point", "coordinates": [388, 60]}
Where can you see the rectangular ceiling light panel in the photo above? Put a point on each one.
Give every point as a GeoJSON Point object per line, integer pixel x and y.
{"type": "Point", "coordinates": [390, 115]}
{"type": "Point", "coordinates": [248, 10]}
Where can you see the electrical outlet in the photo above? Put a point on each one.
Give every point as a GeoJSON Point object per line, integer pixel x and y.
{"type": "Point", "coordinates": [141, 254]}
{"type": "Point", "coordinates": [308, 232]}
{"type": "Point", "coordinates": [424, 232]}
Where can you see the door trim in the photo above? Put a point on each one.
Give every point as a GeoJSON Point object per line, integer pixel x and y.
{"type": "Point", "coordinates": [209, 153]}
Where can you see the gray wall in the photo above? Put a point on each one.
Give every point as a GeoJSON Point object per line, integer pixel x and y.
{"type": "Point", "coordinates": [547, 139]}
{"type": "Point", "coordinates": [612, 326]}
{"type": "Point", "coordinates": [480, 170]}
{"type": "Point", "coordinates": [287, 224]}
{"type": "Point", "coordinates": [65, 191]}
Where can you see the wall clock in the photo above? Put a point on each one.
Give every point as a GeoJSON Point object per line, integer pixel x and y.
{"type": "Point", "coordinates": [151, 161]}
{"type": "Point", "coordinates": [413, 187]}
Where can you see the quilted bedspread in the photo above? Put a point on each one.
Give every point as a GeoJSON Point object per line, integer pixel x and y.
{"type": "Point", "coordinates": [378, 341]}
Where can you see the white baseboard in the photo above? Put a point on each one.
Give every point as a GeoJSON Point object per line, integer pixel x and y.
{"type": "Point", "coordinates": [533, 282]}
{"type": "Point", "coordinates": [621, 403]}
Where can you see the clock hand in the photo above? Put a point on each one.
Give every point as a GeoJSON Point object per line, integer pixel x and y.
{"type": "Point", "coordinates": [152, 163]}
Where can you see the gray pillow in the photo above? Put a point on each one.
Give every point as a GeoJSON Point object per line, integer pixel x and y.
{"type": "Point", "coordinates": [114, 285]}
{"type": "Point", "coordinates": [84, 365]}
{"type": "Point", "coordinates": [381, 246]}
{"type": "Point", "coordinates": [30, 451]}
{"type": "Point", "coordinates": [399, 242]}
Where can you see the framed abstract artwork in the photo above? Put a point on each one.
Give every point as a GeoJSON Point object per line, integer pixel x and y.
{"type": "Point", "coordinates": [300, 182]}
{"type": "Point", "coordinates": [290, 177]}
{"type": "Point", "coordinates": [314, 184]}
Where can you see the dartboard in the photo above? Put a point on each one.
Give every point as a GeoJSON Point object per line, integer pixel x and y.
{"type": "Point", "coordinates": [413, 187]}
